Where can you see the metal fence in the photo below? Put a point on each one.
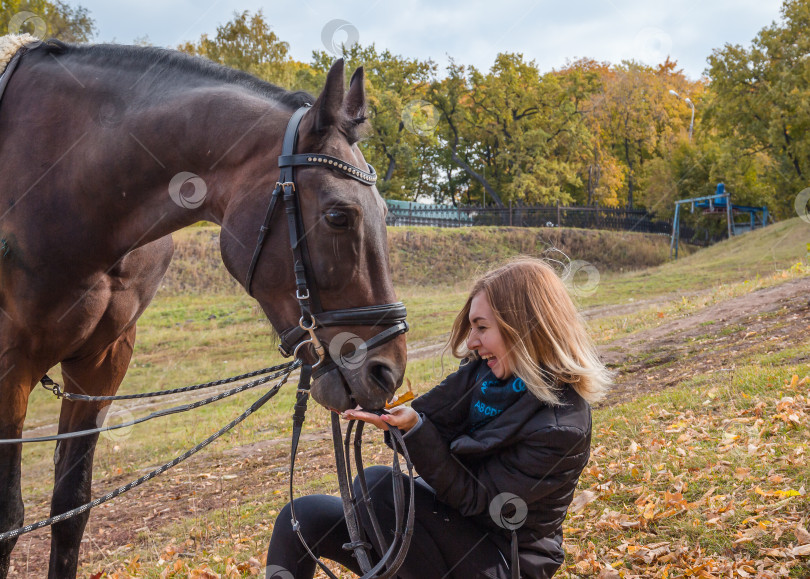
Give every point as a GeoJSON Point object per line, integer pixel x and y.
{"type": "Point", "coordinates": [538, 216]}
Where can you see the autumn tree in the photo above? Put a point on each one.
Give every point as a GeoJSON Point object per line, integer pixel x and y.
{"type": "Point", "coordinates": [601, 175]}
{"type": "Point", "coordinates": [629, 111]}
{"type": "Point", "coordinates": [517, 134]}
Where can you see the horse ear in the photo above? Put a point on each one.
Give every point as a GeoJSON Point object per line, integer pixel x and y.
{"type": "Point", "coordinates": [355, 103]}
{"type": "Point", "coordinates": [327, 107]}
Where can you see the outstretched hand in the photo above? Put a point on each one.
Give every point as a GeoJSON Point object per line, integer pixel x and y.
{"type": "Point", "coordinates": [403, 417]}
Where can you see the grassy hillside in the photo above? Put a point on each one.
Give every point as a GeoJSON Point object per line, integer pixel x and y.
{"type": "Point", "coordinates": [432, 256]}
{"type": "Point", "coordinates": [432, 268]}
{"type": "Point", "coordinates": [630, 264]}
{"type": "Point", "coordinates": [758, 253]}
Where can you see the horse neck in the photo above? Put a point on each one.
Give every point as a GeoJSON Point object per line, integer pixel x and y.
{"type": "Point", "coordinates": [128, 167]}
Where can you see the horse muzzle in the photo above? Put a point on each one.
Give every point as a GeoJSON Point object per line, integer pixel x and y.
{"type": "Point", "coordinates": [345, 382]}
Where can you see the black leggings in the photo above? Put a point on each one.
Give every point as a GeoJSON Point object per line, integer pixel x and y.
{"type": "Point", "coordinates": [444, 543]}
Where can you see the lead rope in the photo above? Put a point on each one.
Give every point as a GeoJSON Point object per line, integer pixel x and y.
{"type": "Point", "coordinates": [356, 544]}
{"type": "Point", "coordinates": [299, 415]}
{"type": "Point", "coordinates": [158, 413]}
{"type": "Point", "coordinates": [57, 391]}
{"type": "Point", "coordinates": [161, 469]}
{"type": "Point", "coordinates": [395, 554]}
{"type": "Point", "coordinates": [361, 477]}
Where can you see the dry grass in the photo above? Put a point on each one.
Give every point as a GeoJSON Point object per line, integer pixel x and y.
{"type": "Point", "coordinates": [429, 256]}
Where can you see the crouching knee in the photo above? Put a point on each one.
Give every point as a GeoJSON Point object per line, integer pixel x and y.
{"type": "Point", "coordinates": [378, 480]}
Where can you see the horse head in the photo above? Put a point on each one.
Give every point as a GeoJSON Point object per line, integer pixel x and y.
{"type": "Point", "coordinates": [341, 223]}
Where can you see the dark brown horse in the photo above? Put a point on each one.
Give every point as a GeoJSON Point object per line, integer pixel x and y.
{"type": "Point", "coordinates": [95, 145]}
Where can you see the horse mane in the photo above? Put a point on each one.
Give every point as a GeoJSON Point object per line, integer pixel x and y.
{"type": "Point", "coordinates": [159, 60]}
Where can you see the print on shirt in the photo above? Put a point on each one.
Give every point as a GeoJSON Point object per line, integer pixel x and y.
{"type": "Point", "coordinates": [492, 397]}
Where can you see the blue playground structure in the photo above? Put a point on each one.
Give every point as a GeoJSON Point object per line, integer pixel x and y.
{"type": "Point", "coordinates": [720, 204]}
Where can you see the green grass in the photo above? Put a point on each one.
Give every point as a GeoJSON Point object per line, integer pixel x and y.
{"type": "Point", "coordinates": [759, 253]}
{"type": "Point", "coordinates": [643, 317]}
{"type": "Point", "coordinates": [192, 334]}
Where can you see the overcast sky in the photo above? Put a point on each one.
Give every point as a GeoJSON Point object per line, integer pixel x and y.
{"type": "Point", "coordinates": [550, 32]}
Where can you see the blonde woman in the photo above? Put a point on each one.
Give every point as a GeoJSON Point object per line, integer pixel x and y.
{"type": "Point", "coordinates": [499, 444]}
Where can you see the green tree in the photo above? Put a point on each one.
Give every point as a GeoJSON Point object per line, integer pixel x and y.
{"type": "Point", "coordinates": [759, 106]}
{"type": "Point", "coordinates": [401, 150]}
{"type": "Point", "coordinates": [62, 21]}
{"type": "Point", "coordinates": [451, 96]}
{"type": "Point", "coordinates": [248, 43]}
{"type": "Point", "coordinates": [517, 134]}
{"type": "Point", "coordinates": [683, 172]}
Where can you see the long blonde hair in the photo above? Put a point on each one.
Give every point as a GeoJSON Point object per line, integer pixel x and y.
{"type": "Point", "coordinates": [543, 332]}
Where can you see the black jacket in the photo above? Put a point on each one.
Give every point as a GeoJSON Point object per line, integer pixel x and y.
{"type": "Point", "coordinates": [531, 450]}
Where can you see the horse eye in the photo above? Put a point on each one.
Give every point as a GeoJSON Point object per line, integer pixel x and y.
{"type": "Point", "coordinates": [337, 219]}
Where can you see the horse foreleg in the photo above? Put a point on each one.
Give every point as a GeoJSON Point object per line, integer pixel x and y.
{"type": "Point", "coordinates": [98, 376]}
{"type": "Point", "coordinates": [15, 386]}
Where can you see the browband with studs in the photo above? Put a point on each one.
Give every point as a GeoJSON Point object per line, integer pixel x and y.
{"type": "Point", "coordinates": [316, 160]}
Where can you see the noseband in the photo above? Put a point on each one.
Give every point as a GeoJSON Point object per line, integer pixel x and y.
{"type": "Point", "coordinates": [312, 314]}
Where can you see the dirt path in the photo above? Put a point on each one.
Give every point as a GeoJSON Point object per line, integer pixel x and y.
{"type": "Point", "coordinates": [713, 339]}
{"type": "Point", "coordinates": [725, 313]}
{"type": "Point", "coordinates": [622, 309]}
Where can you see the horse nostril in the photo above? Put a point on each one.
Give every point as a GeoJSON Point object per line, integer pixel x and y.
{"type": "Point", "coordinates": [383, 377]}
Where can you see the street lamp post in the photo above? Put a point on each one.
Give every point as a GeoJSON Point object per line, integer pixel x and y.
{"type": "Point", "coordinates": [691, 104]}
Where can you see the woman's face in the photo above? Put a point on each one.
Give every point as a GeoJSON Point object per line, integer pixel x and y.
{"type": "Point", "coordinates": [485, 337]}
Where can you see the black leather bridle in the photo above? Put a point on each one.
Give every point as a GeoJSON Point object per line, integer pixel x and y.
{"type": "Point", "coordinates": [312, 314]}
{"type": "Point", "coordinates": [292, 340]}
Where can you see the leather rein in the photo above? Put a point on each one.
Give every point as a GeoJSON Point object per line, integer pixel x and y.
{"type": "Point", "coordinates": [293, 339]}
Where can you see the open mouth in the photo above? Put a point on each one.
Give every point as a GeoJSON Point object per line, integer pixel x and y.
{"type": "Point", "coordinates": [331, 391]}
{"type": "Point", "coordinates": [490, 359]}
{"type": "Point", "coordinates": [352, 403]}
